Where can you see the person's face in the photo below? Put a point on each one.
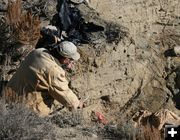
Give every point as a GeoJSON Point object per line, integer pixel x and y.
{"type": "Point", "coordinates": [69, 63]}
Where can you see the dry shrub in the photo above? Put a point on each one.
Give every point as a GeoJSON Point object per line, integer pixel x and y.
{"type": "Point", "coordinates": [67, 119]}
{"type": "Point", "coordinates": [149, 132]}
{"type": "Point", "coordinates": [27, 30]}
{"type": "Point", "coordinates": [26, 27]}
{"type": "Point", "coordinates": [18, 122]}
{"type": "Point", "coordinates": [19, 31]}
{"type": "Point", "coordinates": [148, 129]}
{"type": "Point", "coordinates": [125, 131]}
{"type": "Point", "coordinates": [14, 11]}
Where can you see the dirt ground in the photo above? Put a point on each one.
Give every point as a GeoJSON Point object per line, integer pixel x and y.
{"type": "Point", "coordinates": [133, 71]}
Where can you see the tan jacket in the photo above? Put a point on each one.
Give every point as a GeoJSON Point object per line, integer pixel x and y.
{"type": "Point", "coordinates": [38, 81]}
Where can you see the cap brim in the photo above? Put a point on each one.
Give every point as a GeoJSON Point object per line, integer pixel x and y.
{"type": "Point", "coordinates": [75, 56]}
{"type": "Point", "coordinates": [77, 1]}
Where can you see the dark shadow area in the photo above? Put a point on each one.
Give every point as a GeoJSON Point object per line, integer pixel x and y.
{"type": "Point", "coordinates": [169, 53]}
{"type": "Point", "coordinates": [113, 33]}
{"type": "Point", "coordinates": [70, 20]}
{"type": "Point", "coordinates": [176, 97]}
{"type": "Point", "coordinates": [2, 86]}
{"type": "Point", "coordinates": [176, 100]}
{"type": "Point", "coordinates": [106, 98]}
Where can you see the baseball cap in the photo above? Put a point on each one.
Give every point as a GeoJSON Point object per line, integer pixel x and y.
{"type": "Point", "coordinates": [77, 1]}
{"type": "Point", "coordinates": [69, 50]}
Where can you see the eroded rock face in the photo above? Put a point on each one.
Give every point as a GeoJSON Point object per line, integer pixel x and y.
{"type": "Point", "coordinates": [133, 72]}
{"type": "Point", "coordinates": [139, 15]}
{"type": "Point", "coordinates": [132, 77]}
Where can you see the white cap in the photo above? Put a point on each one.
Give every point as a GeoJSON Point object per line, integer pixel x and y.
{"type": "Point", "coordinates": [77, 1]}
{"type": "Point", "coordinates": [69, 50]}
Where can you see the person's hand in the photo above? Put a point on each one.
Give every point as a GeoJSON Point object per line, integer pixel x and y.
{"type": "Point", "coordinates": [82, 103]}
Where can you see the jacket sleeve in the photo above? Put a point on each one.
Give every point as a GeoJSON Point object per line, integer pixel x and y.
{"type": "Point", "coordinates": [59, 90]}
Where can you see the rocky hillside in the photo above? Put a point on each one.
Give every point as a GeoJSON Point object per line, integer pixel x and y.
{"type": "Point", "coordinates": [131, 65]}
{"type": "Point", "coordinates": [134, 73]}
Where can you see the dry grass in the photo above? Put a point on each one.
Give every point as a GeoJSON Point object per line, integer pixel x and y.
{"type": "Point", "coordinates": [26, 27]}
{"type": "Point", "coordinates": [67, 119]}
{"type": "Point", "coordinates": [148, 129]}
{"type": "Point", "coordinates": [19, 31]}
{"type": "Point", "coordinates": [149, 132]}
{"type": "Point", "coordinates": [17, 122]}
{"type": "Point", "coordinates": [27, 30]}
{"type": "Point", "coordinates": [14, 11]}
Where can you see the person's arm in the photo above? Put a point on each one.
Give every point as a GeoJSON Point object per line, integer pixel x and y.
{"type": "Point", "coordinates": [59, 90]}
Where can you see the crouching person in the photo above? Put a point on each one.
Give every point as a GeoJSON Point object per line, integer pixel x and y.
{"type": "Point", "coordinates": [40, 79]}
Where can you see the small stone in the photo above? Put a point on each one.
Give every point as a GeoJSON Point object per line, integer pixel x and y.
{"type": "Point", "coordinates": [177, 50]}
